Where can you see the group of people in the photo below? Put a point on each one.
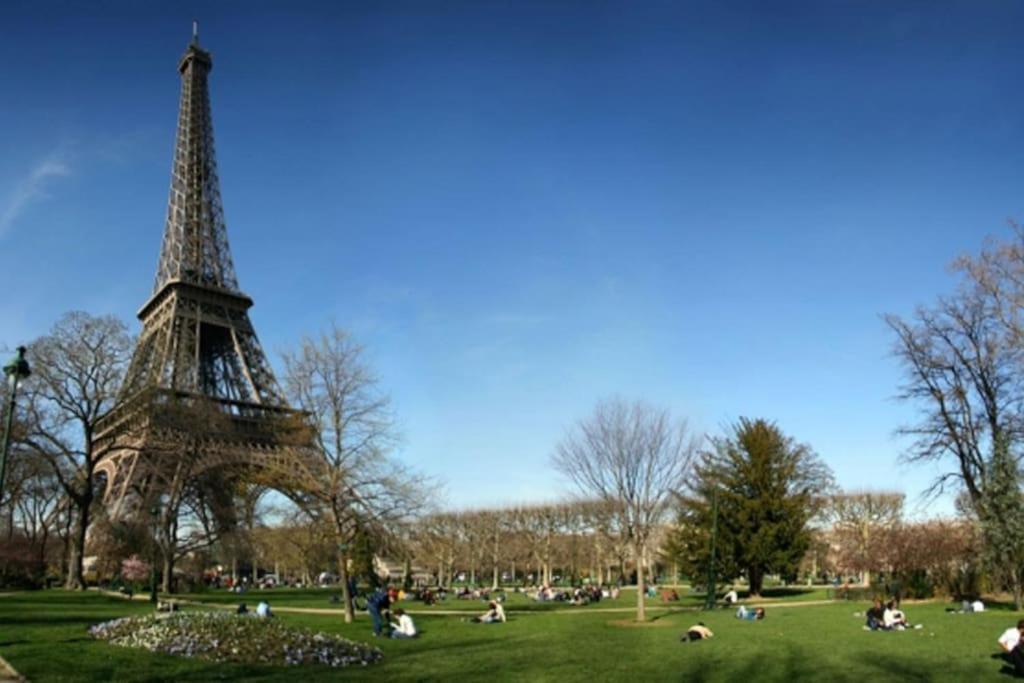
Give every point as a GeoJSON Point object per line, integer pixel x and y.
{"type": "Point", "coordinates": [467, 593]}
{"type": "Point", "coordinates": [581, 595]}
{"type": "Point", "coordinates": [378, 605]}
{"type": "Point", "coordinates": [887, 618]}
{"type": "Point", "coordinates": [263, 610]}
{"type": "Point", "coordinates": [700, 631]}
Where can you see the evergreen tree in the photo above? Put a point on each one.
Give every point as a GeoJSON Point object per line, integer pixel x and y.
{"type": "Point", "coordinates": [364, 548]}
{"type": "Point", "coordinates": [768, 488]}
{"type": "Point", "coordinates": [1002, 520]}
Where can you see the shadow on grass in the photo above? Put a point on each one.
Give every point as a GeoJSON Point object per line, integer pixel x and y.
{"type": "Point", "coordinates": [43, 620]}
{"type": "Point", "coordinates": [780, 592]}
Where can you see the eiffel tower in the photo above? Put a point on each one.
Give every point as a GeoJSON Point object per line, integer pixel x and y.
{"type": "Point", "coordinates": [199, 396]}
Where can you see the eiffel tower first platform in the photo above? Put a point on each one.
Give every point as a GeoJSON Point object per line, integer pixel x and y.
{"type": "Point", "coordinates": [199, 396]}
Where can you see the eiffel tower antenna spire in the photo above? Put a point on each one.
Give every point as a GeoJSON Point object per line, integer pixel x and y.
{"type": "Point", "coordinates": [195, 32]}
{"type": "Point", "coordinates": [198, 349]}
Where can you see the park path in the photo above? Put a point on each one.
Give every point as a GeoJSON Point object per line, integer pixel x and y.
{"type": "Point", "coordinates": [8, 674]}
{"type": "Point", "coordinates": [329, 611]}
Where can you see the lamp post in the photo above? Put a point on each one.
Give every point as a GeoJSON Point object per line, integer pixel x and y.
{"type": "Point", "coordinates": [155, 514]}
{"type": "Point", "coordinates": [16, 370]}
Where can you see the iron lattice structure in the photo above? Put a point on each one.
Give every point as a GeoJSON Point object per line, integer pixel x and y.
{"type": "Point", "coordinates": [199, 398]}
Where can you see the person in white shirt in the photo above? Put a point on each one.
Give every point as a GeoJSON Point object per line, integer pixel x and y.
{"type": "Point", "coordinates": [263, 610]}
{"type": "Point", "coordinates": [697, 632]}
{"type": "Point", "coordinates": [494, 615]}
{"type": "Point", "coordinates": [894, 619]}
{"type": "Point", "coordinates": [731, 598]}
{"type": "Point", "coordinates": [403, 628]}
{"type": "Point", "coordinates": [891, 619]}
{"type": "Point", "coordinates": [1010, 643]}
{"type": "Point", "coordinates": [977, 606]}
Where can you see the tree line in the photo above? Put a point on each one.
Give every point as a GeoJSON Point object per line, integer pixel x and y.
{"type": "Point", "coordinates": [751, 502]}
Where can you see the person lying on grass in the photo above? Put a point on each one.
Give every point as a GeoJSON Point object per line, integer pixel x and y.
{"type": "Point", "coordinates": [750, 614]}
{"type": "Point", "coordinates": [1010, 643]}
{"type": "Point", "coordinates": [403, 628]}
{"type": "Point", "coordinates": [697, 632]}
{"type": "Point", "coordinates": [494, 615]}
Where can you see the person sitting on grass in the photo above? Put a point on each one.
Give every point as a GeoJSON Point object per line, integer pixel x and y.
{"type": "Point", "coordinates": [732, 597]}
{"type": "Point", "coordinates": [894, 619]}
{"type": "Point", "coordinates": [494, 615]}
{"type": "Point", "coordinates": [1010, 643]}
{"type": "Point", "coordinates": [263, 610]}
{"type": "Point", "coordinates": [697, 632]}
{"type": "Point", "coordinates": [750, 614]}
{"type": "Point", "coordinates": [403, 628]}
{"type": "Point", "coordinates": [875, 617]}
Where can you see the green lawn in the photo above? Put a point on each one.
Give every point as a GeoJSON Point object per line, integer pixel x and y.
{"type": "Point", "coordinates": [319, 598]}
{"type": "Point", "coordinates": [44, 636]}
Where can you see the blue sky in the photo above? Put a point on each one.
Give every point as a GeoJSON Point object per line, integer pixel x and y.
{"type": "Point", "coordinates": [521, 208]}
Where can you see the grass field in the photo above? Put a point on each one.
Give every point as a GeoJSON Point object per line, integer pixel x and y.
{"type": "Point", "coordinates": [319, 598]}
{"type": "Point", "coordinates": [43, 635]}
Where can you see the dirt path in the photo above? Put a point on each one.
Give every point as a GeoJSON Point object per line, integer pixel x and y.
{"type": "Point", "coordinates": [327, 611]}
{"type": "Point", "coordinates": [8, 673]}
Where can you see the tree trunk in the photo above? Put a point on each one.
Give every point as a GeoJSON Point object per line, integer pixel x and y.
{"type": "Point", "coordinates": [167, 582]}
{"type": "Point", "coordinates": [494, 583]}
{"type": "Point", "coordinates": [641, 612]}
{"type": "Point", "coordinates": [76, 569]}
{"type": "Point", "coordinates": [346, 595]}
{"type": "Point", "coordinates": [756, 577]}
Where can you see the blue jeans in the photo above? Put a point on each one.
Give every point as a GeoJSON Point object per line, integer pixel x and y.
{"type": "Point", "coordinates": [378, 622]}
{"type": "Point", "coordinates": [399, 634]}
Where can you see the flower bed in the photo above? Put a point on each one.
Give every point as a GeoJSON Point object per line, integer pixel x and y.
{"type": "Point", "coordinates": [227, 637]}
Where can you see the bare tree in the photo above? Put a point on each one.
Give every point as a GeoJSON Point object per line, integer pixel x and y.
{"type": "Point", "coordinates": [77, 371]}
{"type": "Point", "coordinates": [633, 457]}
{"type": "Point", "coordinates": [964, 363]}
{"type": "Point", "coordinates": [860, 522]}
{"type": "Point", "coordinates": [539, 525]}
{"type": "Point", "coordinates": [965, 376]}
{"type": "Point", "coordinates": [360, 483]}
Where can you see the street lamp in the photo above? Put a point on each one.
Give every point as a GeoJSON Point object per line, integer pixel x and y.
{"type": "Point", "coordinates": [16, 370]}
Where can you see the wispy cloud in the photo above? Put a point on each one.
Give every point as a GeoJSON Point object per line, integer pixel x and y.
{"type": "Point", "coordinates": [32, 188]}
